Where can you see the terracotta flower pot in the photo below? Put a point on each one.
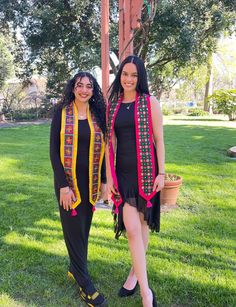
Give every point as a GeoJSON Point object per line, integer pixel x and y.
{"type": "Point", "coordinates": [170, 191]}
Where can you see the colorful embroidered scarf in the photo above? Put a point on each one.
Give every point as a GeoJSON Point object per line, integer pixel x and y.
{"type": "Point", "coordinates": [145, 147]}
{"type": "Point", "coordinates": [68, 151]}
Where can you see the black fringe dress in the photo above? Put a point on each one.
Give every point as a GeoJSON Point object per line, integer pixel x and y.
{"type": "Point", "coordinates": [126, 171]}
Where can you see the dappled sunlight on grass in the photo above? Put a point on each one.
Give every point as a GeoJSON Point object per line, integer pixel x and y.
{"type": "Point", "coordinates": [7, 301]}
{"type": "Point", "coordinates": [17, 197]}
{"type": "Point", "coordinates": [198, 137]}
{"type": "Point", "coordinates": [48, 244]}
{"type": "Point", "coordinates": [190, 262]}
{"type": "Point", "coordinates": [49, 224]}
{"type": "Point", "coordinates": [7, 164]}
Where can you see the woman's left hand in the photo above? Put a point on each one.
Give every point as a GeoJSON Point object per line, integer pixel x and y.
{"type": "Point", "coordinates": [103, 191]}
{"type": "Point", "coordinates": [159, 183]}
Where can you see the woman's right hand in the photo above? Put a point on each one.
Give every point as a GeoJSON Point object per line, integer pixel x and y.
{"type": "Point", "coordinates": [110, 187]}
{"type": "Point", "coordinates": [67, 198]}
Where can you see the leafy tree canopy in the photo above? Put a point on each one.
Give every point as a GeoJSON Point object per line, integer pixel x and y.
{"type": "Point", "coordinates": [183, 33]}
{"type": "Point", "coordinates": [6, 62]}
{"type": "Point", "coordinates": [57, 37]}
{"type": "Point", "coordinates": [60, 37]}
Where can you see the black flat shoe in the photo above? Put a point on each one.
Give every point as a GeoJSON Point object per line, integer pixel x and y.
{"type": "Point", "coordinates": [123, 292]}
{"type": "Point", "coordinates": [94, 299]}
{"type": "Point", "coordinates": [154, 301]}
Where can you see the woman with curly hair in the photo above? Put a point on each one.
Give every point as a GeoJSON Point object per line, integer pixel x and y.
{"type": "Point", "coordinates": [77, 156]}
{"type": "Point", "coordinates": [135, 167]}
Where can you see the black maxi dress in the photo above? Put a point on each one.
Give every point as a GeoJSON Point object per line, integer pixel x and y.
{"type": "Point", "coordinates": [126, 171]}
{"type": "Point", "coordinates": [75, 229]}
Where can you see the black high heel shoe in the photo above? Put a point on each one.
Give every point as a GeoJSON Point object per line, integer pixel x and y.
{"type": "Point", "coordinates": [154, 301]}
{"type": "Point", "coordinates": [123, 292]}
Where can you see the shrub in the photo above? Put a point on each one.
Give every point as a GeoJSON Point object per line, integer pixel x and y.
{"type": "Point", "coordinates": [171, 177]}
{"type": "Point", "coordinates": [179, 110]}
{"type": "Point", "coordinates": [166, 111]}
{"type": "Point", "coordinates": [24, 115]}
{"type": "Point", "coordinates": [197, 112]}
{"type": "Point", "coordinates": [225, 102]}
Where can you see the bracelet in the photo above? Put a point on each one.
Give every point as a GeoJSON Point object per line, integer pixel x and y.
{"type": "Point", "coordinates": [162, 174]}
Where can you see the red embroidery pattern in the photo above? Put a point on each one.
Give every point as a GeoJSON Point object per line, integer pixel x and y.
{"type": "Point", "coordinates": [145, 150]}
{"type": "Point", "coordinates": [96, 157]}
{"type": "Point", "coordinates": [111, 116]}
{"type": "Point", "coordinates": [68, 145]}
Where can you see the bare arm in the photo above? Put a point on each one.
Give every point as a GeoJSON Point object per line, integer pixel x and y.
{"type": "Point", "coordinates": [157, 126]}
{"type": "Point", "coordinates": [66, 194]}
{"type": "Point", "coordinates": [110, 183]}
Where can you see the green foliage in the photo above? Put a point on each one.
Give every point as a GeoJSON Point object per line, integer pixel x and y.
{"type": "Point", "coordinates": [13, 95]}
{"type": "Point", "coordinates": [166, 111]}
{"type": "Point", "coordinates": [197, 112]}
{"type": "Point", "coordinates": [192, 83]}
{"type": "Point", "coordinates": [179, 110]}
{"type": "Point", "coordinates": [61, 37]}
{"type": "Point", "coordinates": [6, 62]}
{"type": "Point", "coordinates": [23, 115]}
{"type": "Point", "coordinates": [225, 102]}
{"type": "Point", "coordinates": [182, 36]}
{"type": "Point", "coordinates": [171, 177]}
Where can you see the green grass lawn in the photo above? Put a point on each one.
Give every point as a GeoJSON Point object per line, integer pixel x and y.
{"type": "Point", "coordinates": [191, 262]}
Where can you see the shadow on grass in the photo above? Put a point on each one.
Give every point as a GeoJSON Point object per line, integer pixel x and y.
{"type": "Point", "coordinates": [41, 281]}
{"type": "Point", "coordinates": [32, 252]}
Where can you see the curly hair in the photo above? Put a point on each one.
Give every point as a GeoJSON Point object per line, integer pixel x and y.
{"type": "Point", "coordinates": [97, 102]}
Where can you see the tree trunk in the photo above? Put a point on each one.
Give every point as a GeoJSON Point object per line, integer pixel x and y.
{"type": "Point", "coordinates": [208, 86]}
{"type": "Point", "coordinates": [159, 93]}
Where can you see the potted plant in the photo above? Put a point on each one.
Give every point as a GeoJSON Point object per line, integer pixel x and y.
{"type": "Point", "coordinates": [170, 191]}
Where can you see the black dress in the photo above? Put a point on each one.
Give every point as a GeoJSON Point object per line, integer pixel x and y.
{"type": "Point", "coordinates": [126, 171]}
{"type": "Point", "coordinates": [75, 229]}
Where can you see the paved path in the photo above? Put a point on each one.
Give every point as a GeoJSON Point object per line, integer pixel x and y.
{"type": "Point", "coordinates": [9, 124]}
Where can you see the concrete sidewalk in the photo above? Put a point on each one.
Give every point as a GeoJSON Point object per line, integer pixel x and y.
{"type": "Point", "coordinates": [11, 124]}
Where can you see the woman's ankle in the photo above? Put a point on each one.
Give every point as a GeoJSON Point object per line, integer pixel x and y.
{"type": "Point", "coordinates": [147, 298]}
{"type": "Point", "coordinates": [145, 292]}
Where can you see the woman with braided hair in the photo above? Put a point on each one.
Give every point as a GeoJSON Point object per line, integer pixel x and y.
{"type": "Point", "coordinates": [77, 156]}
{"type": "Point", "coordinates": [135, 167]}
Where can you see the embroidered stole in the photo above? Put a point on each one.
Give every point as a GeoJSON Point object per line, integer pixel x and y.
{"type": "Point", "coordinates": [68, 151]}
{"type": "Point", "coordinates": [144, 146]}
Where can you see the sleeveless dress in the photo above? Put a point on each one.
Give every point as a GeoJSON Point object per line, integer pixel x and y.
{"type": "Point", "coordinates": [126, 171]}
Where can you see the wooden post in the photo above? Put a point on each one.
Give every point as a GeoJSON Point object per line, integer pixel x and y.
{"type": "Point", "coordinates": [105, 45]}
{"type": "Point", "coordinates": [129, 17]}
{"type": "Point", "coordinates": [121, 27]}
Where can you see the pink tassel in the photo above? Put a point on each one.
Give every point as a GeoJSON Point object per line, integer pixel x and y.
{"type": "Point", "coordinates": [149, 204]}
{"type": "Point", "coordinates": [73, 212]}
{"type": "Point", "coordinates": [116, 210]}
{"type": "Point", "coordinates": [94, 209]}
